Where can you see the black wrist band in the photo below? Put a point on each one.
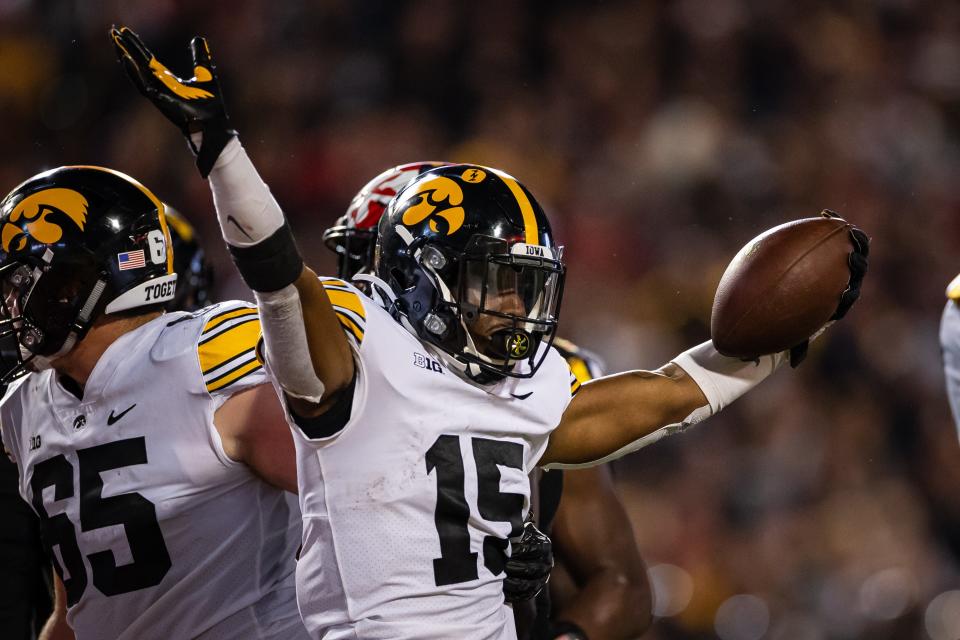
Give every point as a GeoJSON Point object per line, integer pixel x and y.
{"type": "Point", "coordinates": [271, 264]}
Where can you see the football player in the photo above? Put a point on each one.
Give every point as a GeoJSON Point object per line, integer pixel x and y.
{"type": "Point", "coordinates": [147, 443]}
{"type": "Point", "coordinates": [25, 604]}
{"type": "Point", "coordinates": [950, 347]}
{"type": "Point", "coordinates": [419, 412]}
{"type": "Point", "coordinates": [604, 592]}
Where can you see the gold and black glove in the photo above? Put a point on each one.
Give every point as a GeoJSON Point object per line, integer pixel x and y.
{"type": "Point", "coordinates": [195, 105]}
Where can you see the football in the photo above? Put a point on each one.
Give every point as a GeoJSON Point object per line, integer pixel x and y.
{"type": "Point", "coordinates": [781, 287]}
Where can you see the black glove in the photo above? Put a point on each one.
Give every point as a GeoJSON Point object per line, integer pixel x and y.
{"type": "Point", "coordinates": [194, 105]}
{"type": "Point", "coordinates": [857, 261]}
{"type": "Point", "coordinates": [528, 568]}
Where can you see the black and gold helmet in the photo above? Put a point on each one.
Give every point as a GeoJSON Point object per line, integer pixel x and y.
{"type": "Point", "coordinates": [194, 272]}
{"type": "Point", "coordinates": [470, 257]}
{"type": "Point", "coordinates": [76, 243]}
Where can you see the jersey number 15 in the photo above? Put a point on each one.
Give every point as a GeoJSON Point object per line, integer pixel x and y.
{"type": "Point", "coordinates": [456, 562]}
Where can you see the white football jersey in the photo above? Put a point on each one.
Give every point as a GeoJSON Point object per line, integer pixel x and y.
{"type": "Point", "coordinates": [154, 530]}
{"type": "Point", "coordinates": [950, 349]}
{"type": "Point", "coordinates": [408, 509]}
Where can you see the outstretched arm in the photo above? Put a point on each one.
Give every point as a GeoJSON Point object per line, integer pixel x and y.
{"type": "Point", "coordinates": [616, 415]}
{"type": "Point", "coordinates": [307, 351]}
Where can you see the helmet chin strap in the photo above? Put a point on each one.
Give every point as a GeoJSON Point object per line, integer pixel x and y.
{"type": "Point", "coordinates": [470, 371]}
{"type": "Point", "coordinates": [383, 295]}
{"type": "Point", "coordinates": [380, 291]}
{"type": "Point", "coordinates": [81, 324]}
{"type": "Point", "coordinates": [37, 363]}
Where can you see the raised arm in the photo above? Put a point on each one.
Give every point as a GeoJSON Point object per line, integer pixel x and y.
{"type": "Point", "coordinates": [304, 344]}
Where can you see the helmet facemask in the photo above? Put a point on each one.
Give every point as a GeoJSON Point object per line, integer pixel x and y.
{"type": "Point", "coordinates": [498, 306]}
{"type": "Point", "coordinates": [44, 310]}
{"type": "Point", "coordinates": [354, 249]}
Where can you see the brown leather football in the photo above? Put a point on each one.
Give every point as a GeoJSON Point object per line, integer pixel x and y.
{"type": "Point", "coordinates": [781, 287]}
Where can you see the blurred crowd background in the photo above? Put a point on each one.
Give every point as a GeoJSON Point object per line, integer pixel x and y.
{"type": "Point", "coordinates": [660, 136]}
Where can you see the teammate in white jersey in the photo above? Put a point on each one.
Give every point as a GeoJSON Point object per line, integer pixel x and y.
{"type": "Point", "coordinates": [146, 442]}
{"type": "Point", "coordinates": [950, 347]}
{"type": "Point", "coordinates": [417, 417]}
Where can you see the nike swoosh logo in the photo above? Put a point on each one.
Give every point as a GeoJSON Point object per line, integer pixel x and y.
{"type": "Point", "coordinates": [113, 418]}
{"type": "Point", "coordinates": [522, 396]}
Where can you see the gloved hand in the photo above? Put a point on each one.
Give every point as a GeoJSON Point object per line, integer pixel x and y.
{"type": "Point", "coordinates": [528, 568]}
{"type": "Point", "coordinates": [857, 261]}
{"type": "Point", "coordinates": [194, 105]}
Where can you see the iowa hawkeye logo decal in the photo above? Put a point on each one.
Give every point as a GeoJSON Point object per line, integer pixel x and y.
{"type": "Point", "coordinates": [438, 201]}
{"type": "Point", "coordinates": [42, 217]}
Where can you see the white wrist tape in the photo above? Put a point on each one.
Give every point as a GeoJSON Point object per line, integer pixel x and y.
{"type": "Point", "coordinates": [246, 210]}
{"type": "Point", "coordinates": [724, 379]}
{"type": "Point", "coordinates": [285, 343]}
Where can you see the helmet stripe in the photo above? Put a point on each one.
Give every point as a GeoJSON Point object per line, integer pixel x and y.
{"type": "Point", "coordinates": [162, 210]}
{"type": "Point", "coordinates": [530, 230]}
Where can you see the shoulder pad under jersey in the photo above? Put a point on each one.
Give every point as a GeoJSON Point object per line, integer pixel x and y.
{"type": "Point", "coordinates": [226, 345]}
{"type": "Point", "coordinates": [584, 364]}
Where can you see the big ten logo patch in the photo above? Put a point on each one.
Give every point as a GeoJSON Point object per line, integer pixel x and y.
{"type": "Point", "coordinates": [426, 362]}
